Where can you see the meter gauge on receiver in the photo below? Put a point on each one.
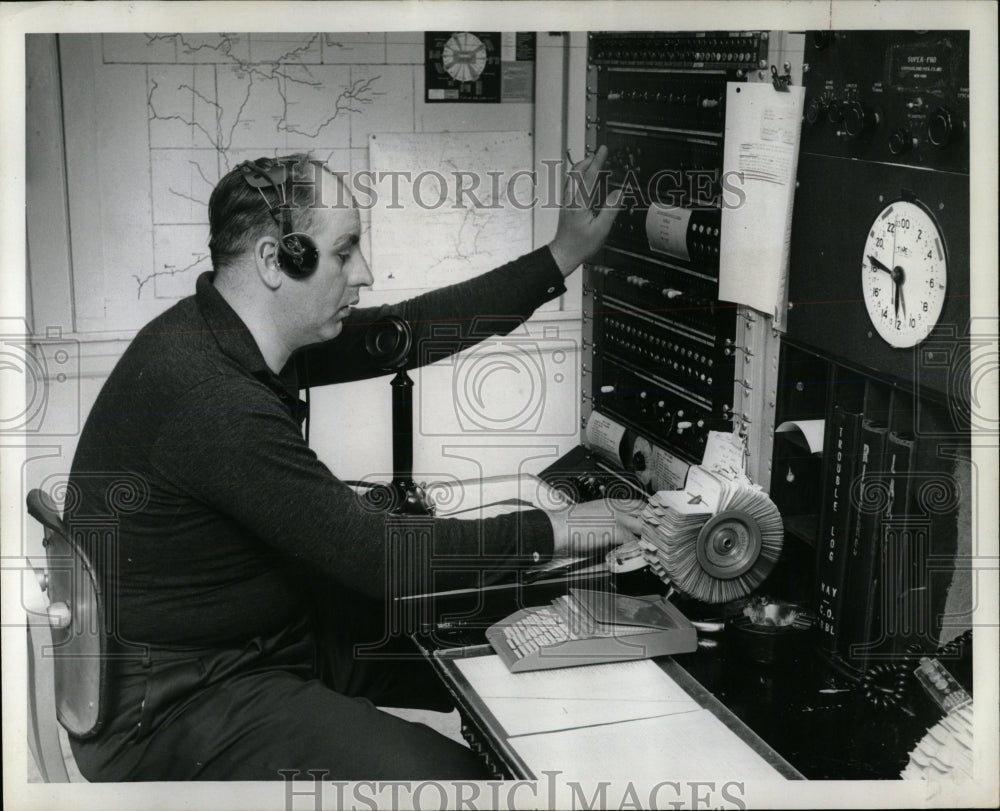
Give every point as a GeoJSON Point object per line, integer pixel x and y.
{"type": "Point", "coordinates": [904, 273]}
{"type": "Point", "coordinates": [642, 462]}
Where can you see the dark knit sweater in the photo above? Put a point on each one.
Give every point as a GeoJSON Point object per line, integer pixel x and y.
{"type": "Point", "coordinates": [209, 502]}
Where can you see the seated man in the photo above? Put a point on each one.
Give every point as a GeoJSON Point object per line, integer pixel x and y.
{"type": "Point", "coordinates": [242, 569]}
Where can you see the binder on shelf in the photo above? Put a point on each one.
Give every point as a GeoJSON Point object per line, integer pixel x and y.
{"type": "Point", "coordinates": [833, 548]}
{"type": "Point", "coordinates": [867, 494]}
{"type": "Point", "coordinates": [902, 535]}
{"type": "Point", "coordinates": [876, 573]}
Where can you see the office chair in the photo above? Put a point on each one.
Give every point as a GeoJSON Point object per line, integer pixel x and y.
{"type": "Point", "coordinates": [67, 644]}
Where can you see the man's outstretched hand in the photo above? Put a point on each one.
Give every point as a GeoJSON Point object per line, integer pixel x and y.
{"type": "Point", "coordinates": [591, 527]}
{"type": "Point", "coordinates": [582, 230]}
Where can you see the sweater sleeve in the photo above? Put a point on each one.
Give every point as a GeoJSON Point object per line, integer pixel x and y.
{"type": "Point", "coordinates": [237, 451]}
{"type": "Point", "coordinates": [443, 321]}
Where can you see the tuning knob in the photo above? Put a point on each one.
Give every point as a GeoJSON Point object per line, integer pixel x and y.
{"type": "Point", "coordinates": [815, 110]}
{"type": "Point", "coordinates": [858, 119]}
{"type": "Point", "coordinates": [901, 141]}
{"type": "Point", "coordinates": [821, 39]}
{"type": "Point", "coordinates": [943, 127]}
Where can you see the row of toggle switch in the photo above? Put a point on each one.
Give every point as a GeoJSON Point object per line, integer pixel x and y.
{"type": "Point", "coordinates": [655, 97]}
{"type": "Point", "coordinates": [667, 354]}
{"type": "Point", "coordinates": [717, 50]}
{"type": "Point", "coordinates": [641, 282]}
{"type": "Point", "coordinates": [659, 412]}
{"type": "Point", "coordinates": [665, 343]}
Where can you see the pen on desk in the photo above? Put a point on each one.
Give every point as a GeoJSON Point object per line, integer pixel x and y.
{"type": "Point", "coordinates": [467, 650]}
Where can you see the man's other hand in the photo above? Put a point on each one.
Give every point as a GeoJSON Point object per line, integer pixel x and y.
{"type": "Point", "coordinates": [591, 527]}
{"type": "Point", "coordinates": [582, 230]}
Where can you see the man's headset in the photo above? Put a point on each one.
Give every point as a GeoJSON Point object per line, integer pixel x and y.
{"type": "Point", "coordinates": [297, 253]}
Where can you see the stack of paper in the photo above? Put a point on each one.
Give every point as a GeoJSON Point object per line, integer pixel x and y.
{"type": "Point", "coordinates": [946, 750]}
{"type": "Point", "coordinates": [669, 515]}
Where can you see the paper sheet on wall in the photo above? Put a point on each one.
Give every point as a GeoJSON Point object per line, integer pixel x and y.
{"type": "Point", "coordinates": [760, 158]}
{"type": "Point", "coordinates": [448, 206]}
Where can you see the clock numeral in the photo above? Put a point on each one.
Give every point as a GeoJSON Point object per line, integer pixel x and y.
{"type": "Point", "coordinates": [876, 291]}
{"type": "Point", "coordinates": [879, 242]}
{"type": "Point", "coordinates": [925, 306]}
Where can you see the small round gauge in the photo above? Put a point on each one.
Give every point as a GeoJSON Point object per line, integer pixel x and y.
{"type": "Point", "coordinates": [642, 457]}
{"type": "Point", "coordinates": [464, 57]}
{"type": "Point", "coordinates": [904, 273]}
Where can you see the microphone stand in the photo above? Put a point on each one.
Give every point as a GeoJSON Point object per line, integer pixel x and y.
{"type": "Point", "coordinates": [389, 344]}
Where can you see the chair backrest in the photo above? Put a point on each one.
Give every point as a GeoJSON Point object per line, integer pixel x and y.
{"type": "Point", "coordinates": [76, 617]}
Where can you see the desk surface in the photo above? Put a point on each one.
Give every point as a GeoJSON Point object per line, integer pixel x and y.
{"type": "Point", "coordinates": [529, 755]}
{"type": "Point", "coordinates": [822, 728]}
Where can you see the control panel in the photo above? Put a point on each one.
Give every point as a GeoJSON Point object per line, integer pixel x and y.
{"type": "Point", "coordinates": [659, 345]}
{"type": "Point", "coordinates": [879, 266]}
{"type": "Point", "coordinates": [899, 97]}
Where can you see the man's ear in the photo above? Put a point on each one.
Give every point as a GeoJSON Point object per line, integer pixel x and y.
{"type": "Point", "coordinates": [265, 254]}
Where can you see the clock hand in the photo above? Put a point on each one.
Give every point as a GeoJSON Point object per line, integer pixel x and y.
{"type": "Point", "coordinates": [878, 265]}
{"type": "Point", "coordinates": [900, 278]}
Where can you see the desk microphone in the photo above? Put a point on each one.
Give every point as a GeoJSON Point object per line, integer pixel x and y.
{"type": "Point", "coordinates": [388, 343]}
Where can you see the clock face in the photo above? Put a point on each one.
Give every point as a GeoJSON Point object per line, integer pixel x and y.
{"type": "Point", "coordinates": [904, 273]}
{"type": "Point", "coordinates": [464, 57]}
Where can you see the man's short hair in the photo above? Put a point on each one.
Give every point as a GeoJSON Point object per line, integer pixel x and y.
{"type": "Point", "coordinates": [238, 215]}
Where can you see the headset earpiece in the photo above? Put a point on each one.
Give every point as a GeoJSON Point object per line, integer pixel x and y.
{"type": "Point", "coordinates": [298, 255]}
